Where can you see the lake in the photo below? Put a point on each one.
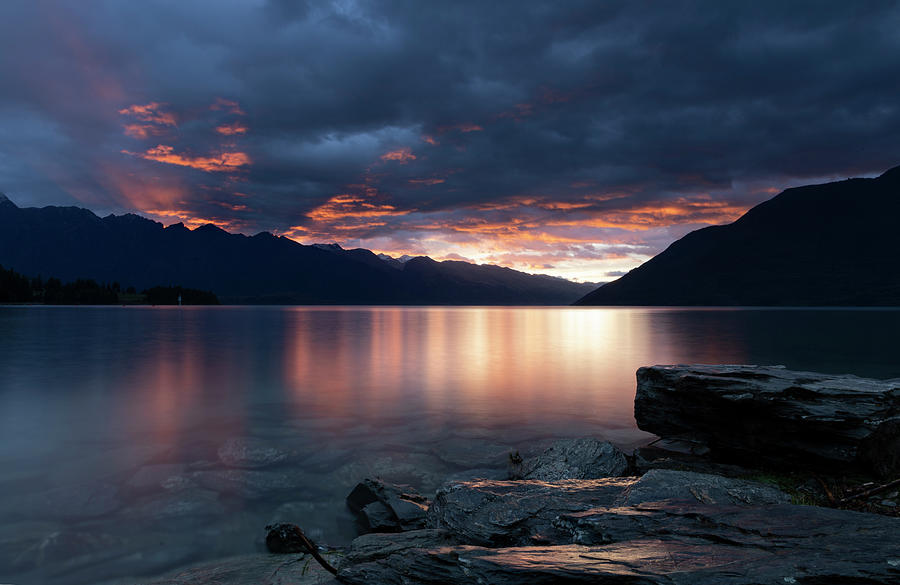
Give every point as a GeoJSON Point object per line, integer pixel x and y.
{"type": "Point", "coordinates": [136, 440]}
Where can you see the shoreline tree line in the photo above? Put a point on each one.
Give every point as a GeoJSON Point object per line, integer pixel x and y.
{"type": "Point", "coordinates": [17, 288]}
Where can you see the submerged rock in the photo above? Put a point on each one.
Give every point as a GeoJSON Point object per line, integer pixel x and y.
{"type": "Point", "coordinates": [77, 501]}
{"type": "Point", "coordinates": [585, 458]}
{"type": "Point", "coordinates": [384, 507]}
{"type": "Point", "coordinates": [156, 475]}
{"type": "Point", "coordinates": [190, 502]}
{"type": "Point", "coordinates": [248, 453]}
{"type": "Point", "coordinates": [249, 483]}
{"type": "Point", "coordinates": [774, 415]}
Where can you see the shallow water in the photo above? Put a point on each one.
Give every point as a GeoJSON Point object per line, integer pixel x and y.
{"type": "Point", "coordinates": [134, 440]}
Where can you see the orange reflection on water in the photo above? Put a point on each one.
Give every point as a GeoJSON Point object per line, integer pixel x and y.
{"type": "Point", "coordinates": [374, 367]}
{"type": "Point", "coordinates": [473, 365]}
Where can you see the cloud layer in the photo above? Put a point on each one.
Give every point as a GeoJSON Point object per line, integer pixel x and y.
{"type": "Point", "coordinates": [569, 138]}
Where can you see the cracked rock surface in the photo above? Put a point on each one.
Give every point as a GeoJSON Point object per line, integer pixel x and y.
{"type": "Point", "coordinates": [774, 415]}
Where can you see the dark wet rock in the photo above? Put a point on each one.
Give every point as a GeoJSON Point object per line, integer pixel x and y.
{"type": "Point", "coordinates": [391, 558]}
{"type": "Point", "coordinates": [377, 517]}
{"type": "Point", "coordinates": [257, 569]}
{"type": "Point", "coordinates": [370, 547]}
{"type": "Point", "coordinates": [585, 458]}
{"type": "Point", "coordinates": [479, 473]}
{"type": "Point", "coordinates": [510, 513]}
{"type": "Point", "coordinates": [247, 453]}
{"type": "Point", "coordinates": [775, 526]}
{"type": "Point", "coordinates": [671, 543]}
{"type": "Point", "coordinates": [384, 507]}
{"type": "Point", "coordinates": [328, 522]}
{"type": "Point", "coordinates": [285, 538]}
{"type": "Point", "coordinates": [665, 484]}
{"type": "Point", "coordinates": [773, 415]}
{"type": "Point", "coordinates": [507, 513]}
{"type": "Point", "coordinates": [663, 457]}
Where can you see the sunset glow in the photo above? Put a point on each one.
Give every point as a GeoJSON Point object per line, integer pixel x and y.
{"type": "Point", "coordinates": [402, 155]}
{"type": "Point", "coordinates": [231, 129]}
{"type": "Point", "coordinates": [226, 161]}
{"type": "Point", "coordinates": [539, 154]}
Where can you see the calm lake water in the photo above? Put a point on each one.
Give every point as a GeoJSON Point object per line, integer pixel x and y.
{"type": "Point", "coordinates": [137, 440]}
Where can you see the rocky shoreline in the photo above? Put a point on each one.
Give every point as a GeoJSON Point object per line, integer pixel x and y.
{"type": "Point", "coordinates": [702, 506]}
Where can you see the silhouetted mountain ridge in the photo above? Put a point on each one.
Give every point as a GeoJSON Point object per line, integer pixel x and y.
{"type": "Point", "coordinates": [70, 243]}
{"type": "Point", "coordinates": [833, 244]}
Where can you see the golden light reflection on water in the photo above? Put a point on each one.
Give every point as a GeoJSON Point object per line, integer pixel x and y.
{"type": "Point", "coordinates": [478, 363]}
{"type": "Point", "coordinates": [158, 371]}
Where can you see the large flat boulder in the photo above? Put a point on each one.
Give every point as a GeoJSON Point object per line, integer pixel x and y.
{"type": "Point", "coordinates": [508, 513]}
{"type": "Point", "coordinates": [771, 415]}
{"type": "Point", "coordinates": [255, 569]}
{"type": "Point", "coordinates": [665, 543]}
{"type": "Point", "coordinates": [512, 513]}
{"type": "Point", "coordinates": [664, 484]}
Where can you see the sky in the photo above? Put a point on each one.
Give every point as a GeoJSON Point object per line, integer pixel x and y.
{"type": "Point", "coordinates": [569, 138]}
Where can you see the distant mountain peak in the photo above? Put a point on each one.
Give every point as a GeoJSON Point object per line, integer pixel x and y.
{"type": "Point", "coordinates": [332, 247]}
{"type": "Point", "coordinates": [209, 227]}
{"type": "Point", "coordinates": [178, 227]}
{"type": "Point", "coordinates": [401, 259]}
{"type": "Point", "coordinates": [831, 244]}
{"type": "Point", "coordinates": [5, 201]}
{"type": "Point", "coordinates": [891, 174]}
{"type": "Point", "coordinates": [71, 242]}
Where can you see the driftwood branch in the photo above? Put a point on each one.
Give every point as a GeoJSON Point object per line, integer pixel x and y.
{"type": "Point", "coordinates": [828, 492]}
{"type": "Point", "coordinates": [290, 538]}
{"type": "Point", "coordinates": [314, 551]}
{"type": "Point", "coordinates": [870, 492]}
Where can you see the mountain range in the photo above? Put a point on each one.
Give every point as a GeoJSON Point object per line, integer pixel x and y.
{"type": "Point", "coordinates": [72, 242]}
{"type": "Point", "coordinates": [835, 244]}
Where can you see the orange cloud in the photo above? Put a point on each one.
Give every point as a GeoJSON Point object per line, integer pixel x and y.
{"type": "Point", "coordinates": [226, 161]}
{"type": "Point", "coordinates": [345, 206]}
{"type": "Point", "coordinates": [137, 130]}
{"type": "Point", "coordinates": [430, 140]}
{"type": "Point", "coordinates": [152, 113]}
{"type": "Point", "coordinates": [565, 205]}
{"type": "Point", "coordinates": [231, 129]}
{"type": "Point", "coordinates": [402, 155]}
{"type": "Point", "coordinates": [230, 106]}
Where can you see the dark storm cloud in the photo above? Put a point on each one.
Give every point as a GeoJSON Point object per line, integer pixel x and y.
{"type": "Point", "coordinates": [398, 117]}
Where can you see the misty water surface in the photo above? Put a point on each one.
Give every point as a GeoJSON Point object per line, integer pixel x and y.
{"type": "Point", "coordinates": [137, 440]}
